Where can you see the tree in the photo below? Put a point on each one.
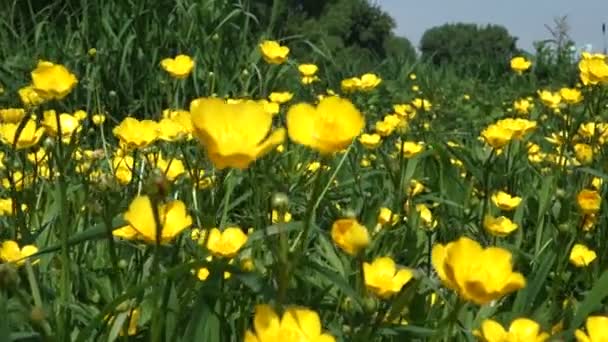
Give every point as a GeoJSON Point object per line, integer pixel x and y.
{"type": "Point", "coordinates": [485, 49]}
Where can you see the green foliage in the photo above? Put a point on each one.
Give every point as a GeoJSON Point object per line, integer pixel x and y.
{"type": "Point", "coordinates": [484, 50]}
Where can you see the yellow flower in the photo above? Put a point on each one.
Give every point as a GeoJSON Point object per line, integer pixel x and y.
{"type": "Point", "coordinates": [587, 129]}
{"type": "Point", "coordinates": [581, 255]}
{"type": "Point", "coordinates": [504, 201]}
{"type": "Point", "coordinates": [597, 330]}
{"type": "Point", "coordinates": [497, 136]}
{"type": "Point", "coordinates": [135, 133]}
{"type": "Point", "coordinates": [520, 64]}
{"type": "Point", "coordinates": [98, 119]}
{"type": "Point", "coordinates": [382, 277]}
{"type": "Point", "coordinates": [571, 95]}
{"type": "Point", "coordinates": [10, 252]}
{"type": "Point", "coordinates": [297, 324]}
{"type": "Point", "coordinates": [593, 69]}
{"type": "Point", "coordinates": [29, 97]}
{"type": "Point", "coordinates": [226, 243]}
{"type": "Point", "coordinates": [477, 274]}
{"type": "Point", "coordinates": [589, 201]}
{"type": "Point", "coordinates": [522, 106]}
{"type": "Point", "coordinates": [234, 135]}
{"type": "Point", "coordinates": [385, 216]}
{"type": "Point", "coordinates": [273, 52]}
{"type": "Point", "coordinates": [423, 104]}
{"type": "Point", "coordinates": [6, 206]}
{"type": "Point", "coordinates": [415, 188]}
{"type": "Point", "coordinates": [203, 273]}
{"type": "Point", "coordinates": [179, 67]}
{"type": "Point", "coordinates": [310, 79]}
{"type": "Point", "coordinates": [349, 235]}
{"type": "Point", "coordinates": [519, 127]}
{"type": "Point", "coordinates": [370, 141]}
{"type": "Point", "coordinates": [68, 123]}
{"type": "Point", "coordinates": [426, 216]}
{"type": "Point", "coordinates": [405, 110]}
{"type": "Point", "coordinates": [329, 127]}
{"type": "Point", "coordinates": [172, 168]}
{"type": "Point", "coordinates": [596, 183]}
{"type": "Point", "coordinates": [410, 148]}
{"type": "Point", "coordinates": [549, 99]}
{"type": "Point", "coordinates": [12, 115]}
{"type": "Point", "coordinates": [308, 70]}
{"type": "Point", "coordinates": [123, 169]}
{"type": "Point", "coordinates": [172, 216]}
{"type": "Point", "coordinates": [29, 136]}
{"type": "Point", "coordinates": [521, 329]}
{"type": "Point", "coordinates": [350, 85]}
{"type": "Point", "coordinates": [52, 81]}
{"type": "Point", "coordinates": [280, 97]}
{"type": "Point", "coordinates": [583, 153]}
{"type": "Point", "coordinates": [276, 217]}
{"type": "Point", "coordinates": [499, 226]}
{"type": "Point", "coordinates": [369, 82]}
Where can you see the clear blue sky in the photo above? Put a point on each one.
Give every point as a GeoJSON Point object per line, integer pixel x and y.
{"type": "Point", "coordinates": [523, 19]}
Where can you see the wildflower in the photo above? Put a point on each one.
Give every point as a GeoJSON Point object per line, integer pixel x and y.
{"type": "Point", "coordinates": [520, 64]}
{"type": "Point", "coordinates": [277, 217]}
{"type": "Point", "coordinates": [350, 85]}
{"type": "Point", "coordinates": [203, 273]}
{"type": "Point", "coordinates": [28, 137]}
{"type": "Point", "coordinates": [423, 104]}
{"type": "Point", "coordinates": [52, 81]}
{"type": "Point", "coordinates": [497, 136]}
{"type": "Point", "coordinates": [123, 169]}
{"type": "Point", "coordinates": [173, 219]}
{"type": "Point", "coordinates": [297, 324]}
{"type": "Point", "coordinates": [280, 97]}
{"type": "Point", "coordinates": [383, 278]}
{"type": "Point", "coordinates": [12, 115]}
{"type": "Point", "coordinates": [6, 206]}
{"type": "Point", "coordinates": [171, 168]}
{"type": "Point", "coordinates": [226, 243]}
{"type": "Point", "coordinates": [135, 133]}
{"type": "Point", "coordinates": [179, 67]}
{"type": "Point", "coordinates": [369, 82]}
{"type": "Point", "coordinates": [308, 70]}
{"type": "Point", "coordinates": [587, 129]}
{"type": "Point", "coordinates": [597, 330]}
{"type": "Point", "coordinates": [581, 255]}
{"type": "Point", "coordinates": [589, 201]}
{"type": "Point", "coordinates": [370, 141]}
{"type": "Point", "coordinates": [273, 52]}
{"type": "Point", "coordinates": [504, 201]}
{"type": "Point", "coordinates": [329, 127]}
{"type": "Point", "coordinates": [519, 127]}
{"type": "Point", "coordinates": [549, 99]}
{"type": "Point", "coordinates": [477, 274]}
{"type": "Point", "coordinates": [68, 123]}
{"type": "Point", "coordinates": [234, 135]}
{"type": "Point", "coordinates": [521, 329]}
{"type": "Point", "coordinates": [410, 149]}
{"type": "Point", "coordinates": [593, 69]}
{"type": "Point", "coordinates": [349, 235]}
{"type": "Point", "coordinates": [385, 216]}
{"type": "Point", "coordinates": [499, 226]}
{"type": "Point", "coordinates": [522, 106]}
{"type": "Point", "coordinates": [426, 216]}
{"type": "Point", "coordinates": [571, 95]}
{"type": "Point", "coordinates": [415, 187]}
{"type": "Point", "coordinates": [29, 97]}
{"type": "Point", "coordinates": [583, 153]}
{"type": "Point", "coordinates": [98, 119]}
{"type": "Point", "coordinates": [10, 252]}
{"type": "Point", "coordinates": [405, 110]}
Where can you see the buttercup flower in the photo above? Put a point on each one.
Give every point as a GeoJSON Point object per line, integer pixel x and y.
{"type": "Point", "coordinates": [329, 127]}
{"type": "Point", "coordinates": [173, 219]}
{"type": "Point", "coordinates": [280, 97]}
{"type": "Point", "coordinates": [522, 106]}
{"type": "Point", "coordinates": [370, 141]}
{"type": "Point", "coordinates": [593, 69]}
{"type": "Point", "coordinates": [369, 82]}
{"type": "Point", "coordinates": [581, 255]}
{"type": "Point", "coordinates": [135, 133]}
{"type": "Point", "coordinates": [297, 325]}
{"type": "Point", "coordinates": [589, 201]}
{"type": "Point", "coordinates": [410, 149]}
{"type": "Point", "coordinates": [29, 97]}
{"type": "Point", "coordinates": [69, 124]}
{"type": "Point", "coordinates": [52, 81]}
{"type": "Point", "coordinates": [123, 169]}
{"type": "Point", "coordinates": [349, 235]}
{"type": "Point", "coordinates": [597, 330]}
{"type": "Point", "coordinates": [520, 64]}
{"type": "Point", "coordinates": [504, 201]}
{"type": "Point", "coordinates": [308, 70]}
{"type": "Point", "coordinates": [499, 226]}
{"type": "Point", "coordinates": [226, 243]}
{"type": "Point", "coordinates": [28, 137]}
{"type": "Point", "coordinates": [10, 252]}
{"type": "Point", "coordinates": [423, 104]}
{"type": "Point", "coordinates": [571, 95]}
{"type": "Point", "coordinates": [350, 85]}
{"type": "Point", "coordinates": [426, 216]}
{"type": "Point", "coordinates": [273, 52]}
{"type": "Point", "coordinates": [234, 135]}
{"type": "Point", "coordinates": [179, 67]}
{"type": "Point", "coordinates": [583, 153]}
{"type": "Point", "coordinates": [521, 329]}
{"type": "Point", "coordinates": [497, 136]}
{"type": "Point", "coordinates": [549, 99]}
{"type": "Point", "coordinates": [12, 115]}
{"type": "Point", "coordinates": [477, 274]}
{"type": "Point", "coordinates": [383, 278]}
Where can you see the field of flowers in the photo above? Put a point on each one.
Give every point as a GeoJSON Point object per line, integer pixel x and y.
{"type": "Point", "coordinates": [264, 198]}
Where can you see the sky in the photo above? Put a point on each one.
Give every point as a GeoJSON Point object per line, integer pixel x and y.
{"type": "Point", "coordinates": [524, 19]}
